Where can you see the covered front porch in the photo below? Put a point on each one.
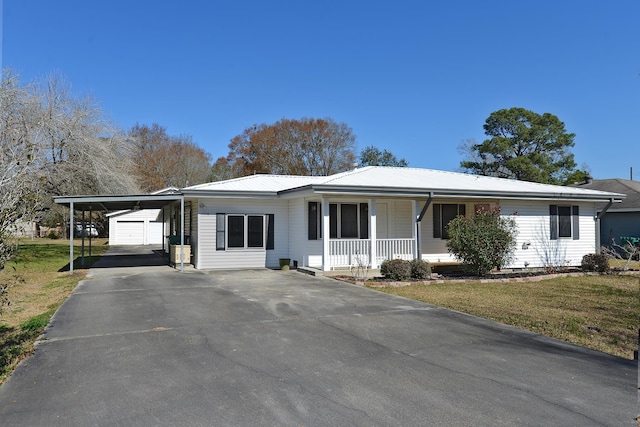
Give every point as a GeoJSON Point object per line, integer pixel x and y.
{"type": "Point", "coordinates": [366, 232]}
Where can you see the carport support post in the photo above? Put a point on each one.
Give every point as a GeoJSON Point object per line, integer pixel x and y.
{"type": "Point", "coordinates": [70, 238]}
{"type": "Point", "coordinates": [82, 233]}
{"type": "Point", "coordinates": [182, 233]}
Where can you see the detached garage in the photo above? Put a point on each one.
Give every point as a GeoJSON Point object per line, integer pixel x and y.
{"type": "Point", "coordinates": [140, 227]}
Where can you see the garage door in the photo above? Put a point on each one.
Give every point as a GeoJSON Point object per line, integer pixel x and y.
{"type": "Point", "coordinates": [130, 233]}
{"type": "Point", "coordinates": [155, 233]}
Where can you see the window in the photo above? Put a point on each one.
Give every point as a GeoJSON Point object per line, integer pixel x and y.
{"type": "Point", "coordinates": [564, 222]}
{"type": "Point", "coordinates": [346, 221]}
{"type": "Point", "coordinates": [314, 221]}
{"type": "Point", "coordinates": [244, 231]}
{"type": "Point", "coordinates": [442, 215]}
{"type": "Point", "coordinates": [349, 221]}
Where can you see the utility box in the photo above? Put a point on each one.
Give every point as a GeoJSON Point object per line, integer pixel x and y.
{"type": "Point", "coordinates": [174, 254]}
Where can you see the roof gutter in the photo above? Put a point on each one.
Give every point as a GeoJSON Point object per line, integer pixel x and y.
{"type": "Point", "coordinates": [407, 192]}
{"type": "Point", "coordinates": [606, 208]}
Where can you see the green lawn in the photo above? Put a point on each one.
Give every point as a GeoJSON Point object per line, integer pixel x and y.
{"type": "Point", "coordinates": [40, 282]}
{"type": "Point", "coordinates": [599, 312]}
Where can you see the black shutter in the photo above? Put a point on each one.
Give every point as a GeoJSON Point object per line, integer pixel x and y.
{"type": "Point", "coordinates": [364, 220]}
{"type": "Point", "coordinates": [553, 222]}
{"type": "Point", "coordinates": [313, 221]}
{"type": "Point", "coordinates": [462, 210]}
{"type": "Point", "coordinates": [333, 221]}
{"type": "Point", "coordinates": [270, 231]}
{"type": "Point", "coordinates": [575, 217]}
{"type": "Point", "coordinates": [437, 222]}
{"type": "Point", "coordinates": [220, 228]}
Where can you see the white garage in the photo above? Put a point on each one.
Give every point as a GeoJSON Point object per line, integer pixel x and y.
{"type": "Point", "coordinates": [141, 227]}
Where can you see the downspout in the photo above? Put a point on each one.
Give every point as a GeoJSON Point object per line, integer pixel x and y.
{"type": "Point", "coordinates": [418, 223]}
{"type": "Point", "coordinates": [598, 218]}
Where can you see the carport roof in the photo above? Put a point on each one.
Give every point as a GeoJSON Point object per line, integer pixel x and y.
{"type": "Point", "coordinates": [119, 203]}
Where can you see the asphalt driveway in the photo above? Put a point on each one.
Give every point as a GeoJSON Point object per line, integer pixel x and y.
{"type": "Point", "coordinates": [153, 346]}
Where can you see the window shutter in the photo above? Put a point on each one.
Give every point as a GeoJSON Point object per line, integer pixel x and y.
{"type": "Point", "coordinates": [462, 210]}
{"type": "Point", "coordinates": [364, 220]}
{"type": "Point", "coordinates": [270, 231]}
{"type": "Point", "coordinates": [220, 228]}
{"type": "Point", "coordinates": [313, 221]}
{"type": "Point", "coordinates": [575, 217]}
{"type": "Point", "coordinates": [333, 221]}
{"type": "Point", "coordinates": [437, 222]}
{"type": "Point", "coordinates": [553, 222]}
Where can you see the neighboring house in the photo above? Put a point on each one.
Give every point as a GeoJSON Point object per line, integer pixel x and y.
{"type": "Point", "coordinates": [623, 219]}
{"type": "Point", "coordinates": [365, 216]}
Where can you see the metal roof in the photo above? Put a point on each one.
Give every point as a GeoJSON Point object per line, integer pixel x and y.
{"type": "Point", "coordinates": [398, 180]}
{"type": "Point", "coordinates": [118, 203]}
{"type": "Point", "coordinates": [369, 181]}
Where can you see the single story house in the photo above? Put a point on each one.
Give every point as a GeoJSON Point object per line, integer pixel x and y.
{"type": "Point", "coordinates": [623, 219]}
{"type": "Point", "coordinates": [364, 216]}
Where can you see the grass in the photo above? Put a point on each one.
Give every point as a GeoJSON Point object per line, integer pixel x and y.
{"type": "Point", "coordinates": [599, 312]}
{"type": "Point", "coordinates": [40, 283]}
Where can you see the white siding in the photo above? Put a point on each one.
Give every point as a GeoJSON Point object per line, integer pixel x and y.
{"type": "Point", "coordinates": [194, 232]}
{"type": "Point", "coordinates": [400, 219]}
{"type": "Point", "coordinates": [209, 258]}
{"type": "Point", "coordinates": [532, 220]}
{"type": "Point", "coordinates": [154, 236]}
{"type": "Point", "coordinates": [298, 232]}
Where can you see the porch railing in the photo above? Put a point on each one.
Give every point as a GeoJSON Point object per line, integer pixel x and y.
{"type": "Point", "coordinates": [394, 248]}
{"type": "Point", "coordinates": [349, 252]}
{"type": "Point", "coordinates": [345, 253]}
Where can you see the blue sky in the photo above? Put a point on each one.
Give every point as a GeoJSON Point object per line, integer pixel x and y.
{"type": "Point", "coordinates": [414, 77]}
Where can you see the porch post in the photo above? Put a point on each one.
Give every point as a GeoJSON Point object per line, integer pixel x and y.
{"type": "Point", "coordinates": [373, 228]}
{"type": "Point", "coordinates": [326, 256]}
{"type": "Point", "coordinates": [415, 209]}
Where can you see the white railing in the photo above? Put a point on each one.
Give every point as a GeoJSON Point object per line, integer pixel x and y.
{"type": "Point", "coordinates": [345, 253]}
{"type": "Point", "coordinates": [349, 252]}
{"type": "Point", "coordinates": [394, 248]}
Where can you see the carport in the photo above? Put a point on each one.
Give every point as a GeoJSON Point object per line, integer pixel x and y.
{"type": "Point", "coordinates": [120, 203]}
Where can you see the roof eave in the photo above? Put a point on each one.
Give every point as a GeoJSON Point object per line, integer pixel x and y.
{"type": "Point", "coordinates": [386, 191]}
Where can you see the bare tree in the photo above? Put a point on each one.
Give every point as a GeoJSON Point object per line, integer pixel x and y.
{"type": "Point", "coordinates": [19, 191]}
{"type": "Point", "coordinates": [81, 152]}
{"type": "Point", "coordinates": [162, 160]}
{"type": "Point", "coordinates": [627, 251]}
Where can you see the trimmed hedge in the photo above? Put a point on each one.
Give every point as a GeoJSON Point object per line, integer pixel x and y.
{"type": "Point", "coordinates": [420, 269]}
{"type": "Point", "coordinates": [395, 269]}
{"type": "Point", "coordinates": [595, 262]}
{"type": "Point", "coordinates": [399, 269]}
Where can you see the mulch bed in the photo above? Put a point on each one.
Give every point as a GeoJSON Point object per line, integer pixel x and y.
{"type": "Point", "coordinates": [459, 277]}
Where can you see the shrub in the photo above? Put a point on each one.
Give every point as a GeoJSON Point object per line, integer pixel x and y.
{"type": "Point", "coordinates": [595, 262]}
{"type": "Point", "coordinates": [396, 269]}
{"type": "Point", "coordinates": [420, 269]}
{"type": "Point", "coordinates": [483, 241]}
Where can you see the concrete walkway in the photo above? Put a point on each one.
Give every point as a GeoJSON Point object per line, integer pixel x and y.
{"type": "Point", "coordinates": [150, 346]}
